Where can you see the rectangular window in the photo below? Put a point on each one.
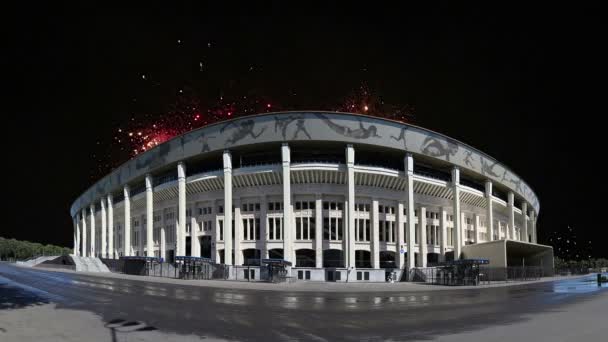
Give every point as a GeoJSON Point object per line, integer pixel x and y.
{"type": "Point", "coordinates": [257, 228]}
{"type": "Point", "coordinates": [311, 205]}
{"type": "Point", "coordinates": [307, 275]}
{"type": "Point", "coordinates": [326, 229]}
{"type": "Point", "coordinates": [245, 231]}
{"type": "Point", "coordinates": [365, 275]}
{"type": "Point", "coordinates": [251, 227]}
{"type": "Point", "coordinates": [340, 229]}
{"type": "Point", "coordinates": [359, 276]}
{"type": "Point", "coordinates": [298, 228]}
{"type": "Point", "coordinates": [305, 228]}
{"type": "Point", "coordinates": [298, 205]}
{"type": "Point", "coordinates": [271, 228]}
{"type": "Point", "coordinates": [325, 205]}
{"type": "Point", "coordinates": [270, 206]}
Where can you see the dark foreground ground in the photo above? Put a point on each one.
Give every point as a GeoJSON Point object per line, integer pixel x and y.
{"type": "Point", "coordinates": [235, 314]}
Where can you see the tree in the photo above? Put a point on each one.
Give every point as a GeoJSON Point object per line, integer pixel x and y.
{"type": "Point", "coordinates": [14, 249]}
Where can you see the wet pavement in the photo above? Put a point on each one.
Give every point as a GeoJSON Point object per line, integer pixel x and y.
{"type": "Point", "coordinates": [237, 314]}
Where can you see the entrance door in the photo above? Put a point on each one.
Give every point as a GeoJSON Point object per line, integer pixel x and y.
{"type": "Point", "coordinates": [205, 246]}
{"type": "Point", "coordinates": [188, 246]}
{"type": "Point", "coordinates": [170, 256]}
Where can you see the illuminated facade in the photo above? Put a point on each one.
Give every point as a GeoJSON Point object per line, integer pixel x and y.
{"type": "Point", "coordinates": [334, 193]}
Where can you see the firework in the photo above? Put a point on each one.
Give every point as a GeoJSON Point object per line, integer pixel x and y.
{"type": "Point", "coordinates": [144, 132]}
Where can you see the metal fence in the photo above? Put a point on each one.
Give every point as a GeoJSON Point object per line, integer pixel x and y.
{"type": "Point", "coordinates": [513, 273]}
{"type": "Point", "coordinates": [443, 276]}
{"type": "Point", "coordinates": [484, 275]}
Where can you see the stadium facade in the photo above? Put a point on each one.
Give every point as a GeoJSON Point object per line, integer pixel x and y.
{"type": "Point", "coordinates": [332, 193]}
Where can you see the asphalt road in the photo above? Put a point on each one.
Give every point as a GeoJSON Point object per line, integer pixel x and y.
{"type": "Point", "coordinates": [283, 315]}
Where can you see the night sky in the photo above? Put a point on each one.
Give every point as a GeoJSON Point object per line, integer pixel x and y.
{"type": "Point", "coordinates": [524, 85]}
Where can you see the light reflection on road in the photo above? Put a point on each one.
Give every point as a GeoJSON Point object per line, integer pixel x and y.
{"type": "Point", "coordinates": [580, 285]}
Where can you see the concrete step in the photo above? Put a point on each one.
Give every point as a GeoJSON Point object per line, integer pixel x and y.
{"type": "Point", "coordinates": [89, 264]}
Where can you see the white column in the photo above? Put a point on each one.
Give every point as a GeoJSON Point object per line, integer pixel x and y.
{"type": "Point", "coordinates": [85, 246]}
{"type": "Point", "coordinates": [476, 229]}
{"type": "Point", "coordinates": [464, 227]}
{"type": "Point", "coordinates": [375, 238]}
{"type": "Point", "coordinates": [443, 243]}
{"type": "Point", "coordinates": [104, 228]}
{"type": "Point", "coordinates": [76, 236]}
{"type": "Point", "coordinates": [194, 229]}
{"type": "Point", "coordinates": [489, 211]}
{"type": "Point", "coordinates": [400, 235]}
{"type": "Point", "coordinates": [499, 230]}
{"type": "Point", "coordinates": [264, 226]}
{"type": "Point", "coordinates": [149, 216]}
{"type": "Point", "coordinates": [79, 236]}
{"type": "Point", "coordinates": [533, 225]}
{"type": "Point", "coordinates": [181, 209]}
{"type": "Point", "coordinates": [350, 225]}
{"type": "Point", "coordinates": [457, 217]}
{"type": "Point", "coordinates": [163, 240]}
{"type": "Point", "coordinates": [163, 235]}
{"type": "Point", "coordinates": [92, 217]}
{"type": "Point", "coordinates": [511, 208]}
{"type": "Point", "coordinates": [111, 251]}
{"type": "Point", "coordinates": [227, 208]}
{"type": "Point", "coordinates": [140, 236]}
{"type": "Point", "coordinates": [422, 236]}
{"type": "Point", "coordinates": [524, 214]}
{"type": "Point", "coordinates": [409, 202]}
{"type": "Point", "coordinates": [287, 224]}
{"type": "Point", "coordinates": [238, 233]}
{"type": "Point", "coordinates": [319, 231]}
{"type": "Point", "coordinates": [127, 251]}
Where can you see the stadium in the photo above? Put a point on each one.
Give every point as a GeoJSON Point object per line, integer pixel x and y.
{"type": "Point", "coordinates": [331, 196]}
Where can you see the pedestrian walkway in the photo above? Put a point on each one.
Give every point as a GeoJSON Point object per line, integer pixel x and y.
{"type": "Point", "coordinates": [308, 286]}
